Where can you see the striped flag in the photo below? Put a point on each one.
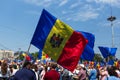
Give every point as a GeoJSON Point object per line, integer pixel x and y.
{"type": "Point", "coordinates": [58, 40]}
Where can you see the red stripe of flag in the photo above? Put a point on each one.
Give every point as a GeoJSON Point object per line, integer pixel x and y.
{"type": "Point", "coordinates": [72, 51]}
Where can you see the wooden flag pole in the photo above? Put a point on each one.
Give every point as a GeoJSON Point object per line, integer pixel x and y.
{"type": "Point", "coordinates": [27, 54]}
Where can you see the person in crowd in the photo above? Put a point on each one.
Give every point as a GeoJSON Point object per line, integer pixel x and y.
{"type": "Point", "coordinates": [52, 74]}
{"type": "Point", "coordinates": [40, 68]}
{"type": "Point", "coordinates": [35, 69]}
{"type": "Point", "coordinates": [60, 70]}
{"type": "Point", "coordinates": [41, 75]}
{"type": "Point", "coordinates": [4, 72]}
{"type": "Point", "coordinates": [118, 72]}
{"type": "Point", "coordinates": [26, 73]}
{"type": "Point", "coordinates": [65, 74]}
{"type": "Point", "coordinates": [98, 71]}
{"type": "Point", "coordinates": [92, 73]}
{"type": "Point", "coordinates": [48, 64]}
{"type": "Point", "coordinates": [12, 71]}
{"type": "Point", "coordinates": [75, 72]}
{"type": "Point", "coordinates": [82, 72]}
{"type": "Point", "coordinates": [103, 73]}
{"type": "Point", "coordinates": [70, 75]}
{"type": "Point", "coordinates": [112, 74]}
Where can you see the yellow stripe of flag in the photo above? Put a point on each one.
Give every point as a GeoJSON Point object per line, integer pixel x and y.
{"type": "Point", "coordinates": [60, 30]}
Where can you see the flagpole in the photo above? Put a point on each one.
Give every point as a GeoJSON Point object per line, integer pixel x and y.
{"type": "Point", "coordinates": [111, 19]}
{"type": "Point", "coordinates": [27, 54]}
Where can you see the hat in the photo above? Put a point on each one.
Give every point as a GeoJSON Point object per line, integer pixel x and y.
{"type": "Point", "coordinates": [82, 65]}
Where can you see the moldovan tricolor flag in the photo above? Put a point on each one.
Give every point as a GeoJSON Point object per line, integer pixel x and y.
{"type": "Point", "coordinates": [58, 40]}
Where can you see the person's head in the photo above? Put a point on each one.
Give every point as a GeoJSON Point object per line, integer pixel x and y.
{"type": "Point", "coordinates": [4, 67]}
{"type": "Point", "coordinates": [35, 67]}
{"type": "Point", "coordinates": [15, 66]}
{"type": "Point", "coordinates": [10, 66]}
{"type": "Point", "coordinates": [27, 65]}
{"type": "Point", "coordinates": [53, 65]}
{"type": "Point", "coordinates": [81, 66]}
{"type": "Point", "coordinates": [92, 66]}
{"type": "Point", "coordinates": [111, 71]}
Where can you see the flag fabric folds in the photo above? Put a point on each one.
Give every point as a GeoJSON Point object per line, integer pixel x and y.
{"type": "Point", "coordinates": [88, 53]}
{"type": "Point", "coordinates": [106, 51]}
{"type": "Point", "coordinates": [58, 40]}
{"type": "Point", "coordinates": [110, 62]}
{"type": "Point", "coordinates": [112, 51]}
{"type": "Point", "coordinates": [40, 54]}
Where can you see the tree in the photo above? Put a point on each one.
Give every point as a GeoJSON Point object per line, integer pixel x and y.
{"type": "Point", "coordinates": [98, 58]}
{"type": "Point", "coordinates": [35, 55]}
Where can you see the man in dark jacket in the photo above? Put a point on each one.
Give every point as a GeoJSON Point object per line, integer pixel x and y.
{"type": "Point", "coordinates": [25, 73]}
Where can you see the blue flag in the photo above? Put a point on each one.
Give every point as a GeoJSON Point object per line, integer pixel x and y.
{"type": "Point", "coordinates": [110, 62]}
{"type": "Point", "coordinates": [40, 54]}
{"type": "Point", "coordinates": [43, 29]}
{"type": "Point", "coordinates": [112, 51]}
{"type": "Point", "coordinates": [106, 51]}
{"type": "Point", "coordinates": [88, 53]}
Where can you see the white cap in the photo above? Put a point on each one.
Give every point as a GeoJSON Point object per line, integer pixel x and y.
{"type": "Point", "coordinates": [82, 65]}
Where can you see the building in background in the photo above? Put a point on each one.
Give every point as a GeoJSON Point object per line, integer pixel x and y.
{"type": "Point", "coordinates": [6, 54]}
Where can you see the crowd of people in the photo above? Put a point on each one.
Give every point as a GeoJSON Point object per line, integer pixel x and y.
{"type": "Point", "coordinates": [53, 71]}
